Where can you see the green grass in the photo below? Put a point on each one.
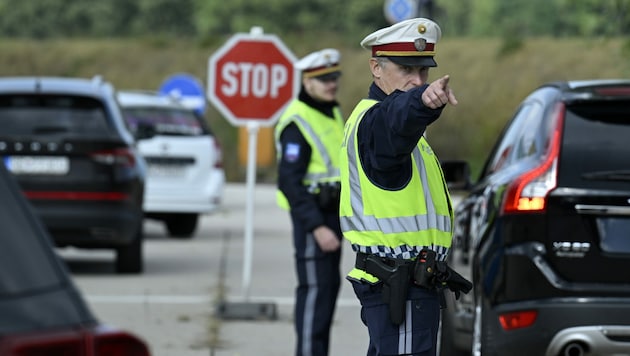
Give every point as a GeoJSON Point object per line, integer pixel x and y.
{"type": "Point", "coordinates": [489, 77]}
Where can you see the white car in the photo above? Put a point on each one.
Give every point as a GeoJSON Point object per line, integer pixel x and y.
{"type": "Point", "coordinates": [185, 175]}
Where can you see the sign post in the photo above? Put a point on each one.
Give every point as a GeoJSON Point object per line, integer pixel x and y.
{"type": "Point", "coordinates": [251, 79]}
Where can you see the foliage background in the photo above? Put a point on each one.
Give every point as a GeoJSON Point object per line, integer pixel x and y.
{"type": "Point", "coordinates": [495, 51]}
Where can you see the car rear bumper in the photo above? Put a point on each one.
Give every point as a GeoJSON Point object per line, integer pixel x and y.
{"type": "Point", "coordinates": [582, 340]}
{"type": "Point", "coordinates": [91, 226]}
{"type": "Point", "coordinates": [597, 324]}
{"type": "Point", "coordinates": [175, 198]}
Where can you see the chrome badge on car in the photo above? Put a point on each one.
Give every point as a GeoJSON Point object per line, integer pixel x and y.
{"type": "Point", "coordinates": [571, 249]}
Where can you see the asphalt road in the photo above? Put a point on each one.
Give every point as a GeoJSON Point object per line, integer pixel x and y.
{"type": "Point", "coordinates": [174, 304]}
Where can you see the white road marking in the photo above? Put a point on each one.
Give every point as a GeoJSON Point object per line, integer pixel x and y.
{"type": "Point", "coordinates": [197, 299]}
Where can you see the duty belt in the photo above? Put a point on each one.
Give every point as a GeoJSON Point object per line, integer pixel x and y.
{"type": "Point", "coordinates": [398, 274]}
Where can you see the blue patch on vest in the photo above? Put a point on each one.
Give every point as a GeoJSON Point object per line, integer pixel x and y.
{"type": "Point", "coordinates": [292, 152]}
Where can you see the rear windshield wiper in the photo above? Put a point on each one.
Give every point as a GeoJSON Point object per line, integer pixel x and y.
{"type": "Point", "coordinates": [608, 175]}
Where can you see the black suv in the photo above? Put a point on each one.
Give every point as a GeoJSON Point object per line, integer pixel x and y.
{"type": "Point", "coordinates": [545, 231]}
{"type": "Point", "coordinates": [66, 142]}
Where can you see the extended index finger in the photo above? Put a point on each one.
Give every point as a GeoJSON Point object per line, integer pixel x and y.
{"type": "Point", "coordinates": [444, 81]}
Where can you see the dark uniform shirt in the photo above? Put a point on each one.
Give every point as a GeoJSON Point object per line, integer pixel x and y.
{"type": "Point", "coordinates": [389, 132]}
{"type": "Point", "coordinates": [291, 170]}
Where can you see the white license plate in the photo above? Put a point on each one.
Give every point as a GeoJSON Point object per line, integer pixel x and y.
{"type": "Point", "coordinates": [37, 165]}
{"type": "Point", "coordinates": [166, 170]}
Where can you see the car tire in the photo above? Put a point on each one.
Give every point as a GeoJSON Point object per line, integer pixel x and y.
{"type": "Point", "coordinates": [182, 226]}
{"type": "Point", "coordinates": [129, 258]}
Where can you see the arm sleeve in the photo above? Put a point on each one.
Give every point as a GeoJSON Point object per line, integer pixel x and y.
{"type": "Point", "coordinates": [389, 132]}
{"type": "Point", "coordinates": [292, 166]}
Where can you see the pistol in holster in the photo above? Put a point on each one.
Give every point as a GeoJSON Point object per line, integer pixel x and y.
{"type": "Point", "coordinates": [395, 279]}
{"type": "Point", "coordinates": [430, 273]}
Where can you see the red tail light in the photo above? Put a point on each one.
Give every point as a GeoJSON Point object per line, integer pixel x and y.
{"type": "Point", "coordinates": [118, 343]}
{"type": "Point", "coordinates": [99, 341]}
{"type": "Point", "coordinates": [117, 156]}
{"type": "Point", "coordinates": [65, 195]}
{"type": "Point", "coordinates": [529, 192]}
{"type": "Point", "coordinates": [517, 320]}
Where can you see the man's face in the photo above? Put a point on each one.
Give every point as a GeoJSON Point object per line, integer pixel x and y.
{"type": "Point", "coordinates": [390, 76]}
{"type": "Point", "coordinates": [322, 90]}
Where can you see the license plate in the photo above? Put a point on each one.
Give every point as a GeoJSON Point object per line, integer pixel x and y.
{"type": "Point", "coordinates": [37, 165]}
{"type": "Point", "coordinates": [166, 170]}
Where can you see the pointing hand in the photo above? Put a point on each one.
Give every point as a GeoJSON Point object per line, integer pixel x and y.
{"type": "Point", "coordinates": [439, 94]}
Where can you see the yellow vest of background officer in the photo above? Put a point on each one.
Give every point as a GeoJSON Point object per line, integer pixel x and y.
{"type": "Point", "coordinates": [323, 134]}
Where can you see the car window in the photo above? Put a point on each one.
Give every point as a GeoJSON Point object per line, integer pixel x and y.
{"type": "Point", "coordinates": [595, 152]}
{"type": "Point", "coordinates": [165, 121]}
{"type": "Point", "coordinates": [519, 138]}
{"type": "Point", "coordinates": [50, 114]}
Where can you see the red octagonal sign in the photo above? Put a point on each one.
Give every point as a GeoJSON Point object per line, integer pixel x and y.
{"type": "Point", "coordinates": [252, 78]}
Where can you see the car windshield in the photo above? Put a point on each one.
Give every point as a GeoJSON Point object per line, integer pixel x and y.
{"type": "Point", "coordinates": [165, 121]}
{"type": "Point", "coordinates": [51, 114]}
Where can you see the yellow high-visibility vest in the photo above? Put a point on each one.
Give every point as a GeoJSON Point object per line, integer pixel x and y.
{"type": "Point", "coordinates": [323, 134]}
{"type": "Point", "coordinates": [393, 223]}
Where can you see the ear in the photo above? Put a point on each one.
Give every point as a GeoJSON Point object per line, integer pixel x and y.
{"type": "Point", "coordinates": [375, 68]}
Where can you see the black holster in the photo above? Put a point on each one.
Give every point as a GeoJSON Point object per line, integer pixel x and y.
{"type": "Point", "coordinates": [395, 279]}
{"type": "Point", "coordinates": [328, 195]}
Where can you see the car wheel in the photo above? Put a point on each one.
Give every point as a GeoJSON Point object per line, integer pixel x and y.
{"type": "Point", "coordinates": [129, 258]}
{"type": "Point", "coordinates": [181, 225]}
{"type": "Point", "coordinates": [481, 340]}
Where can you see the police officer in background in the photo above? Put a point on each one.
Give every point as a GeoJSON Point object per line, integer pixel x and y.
{"type": "Point", "coordinates": [307, 137]}
{"type": "Point", "coordinates": [395, 207]}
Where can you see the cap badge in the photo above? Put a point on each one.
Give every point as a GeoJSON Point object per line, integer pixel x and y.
{"type": "Point", "coordinates": [420, 44]}
{"type": "Point", "coordinates": [422, 29]}
{"type": "Point", "coordinates": [328, 60]}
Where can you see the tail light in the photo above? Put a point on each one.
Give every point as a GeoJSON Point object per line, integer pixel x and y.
{"type": "Point", "coordinates": [218, 162]}
{"type": "Point", "coordinates": [118, 343]}
{"type": "Point", "coordinates": [528, 193]}
{"type": "Point", "coordinates": [517, 320]}
{"type": "Point", "coordinates": [98, 341]}
{"type": "Point", "coordinates": [117, 156]}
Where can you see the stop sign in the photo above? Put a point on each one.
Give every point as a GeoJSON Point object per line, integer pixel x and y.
{"type": "Point", "coordinates": [252, 78]}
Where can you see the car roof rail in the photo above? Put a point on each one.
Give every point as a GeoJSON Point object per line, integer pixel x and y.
{"type": "Point", "coordinates": [97, 80]}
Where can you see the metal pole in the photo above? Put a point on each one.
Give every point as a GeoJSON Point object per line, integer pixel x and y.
{"type": "Point", "coordinates": [252, 130]}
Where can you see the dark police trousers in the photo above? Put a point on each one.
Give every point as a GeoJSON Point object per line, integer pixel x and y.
{"type": "Point", "coordinates": [417, 335]}
{"type": "Point", "coordinates": [319, 280]}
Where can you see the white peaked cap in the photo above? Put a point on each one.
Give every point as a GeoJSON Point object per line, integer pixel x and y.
{"type": "Point", "coordinates": [411, 42]}
{"type": "Point", "coordinates": [323, 62]}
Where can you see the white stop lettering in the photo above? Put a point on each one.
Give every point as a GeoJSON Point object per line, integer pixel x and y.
{"type": "Point", "coordinates": [257, 79]}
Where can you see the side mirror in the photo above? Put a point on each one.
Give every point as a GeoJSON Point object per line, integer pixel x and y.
{"type": "Point", "coordinates": [457, 174]}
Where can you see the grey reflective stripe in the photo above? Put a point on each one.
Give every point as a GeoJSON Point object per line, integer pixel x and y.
{"type": "Point", "coordinates": [361, 222]}
{"type": "Point", "coordinates": [332, 172]}
{"type": "Point", "coordinates": [405, 331]}
{"type": "Point", "coordinates": [310, 303]}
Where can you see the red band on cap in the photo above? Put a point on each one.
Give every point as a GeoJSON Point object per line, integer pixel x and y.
{"type": "Point", "coordinates": [401, 47]}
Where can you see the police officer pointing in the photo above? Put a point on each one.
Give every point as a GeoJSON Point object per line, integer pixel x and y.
{"type": "Point", "coordinates": [308, 136]}
{"type": "Point", "coordinates": [395, 207]}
